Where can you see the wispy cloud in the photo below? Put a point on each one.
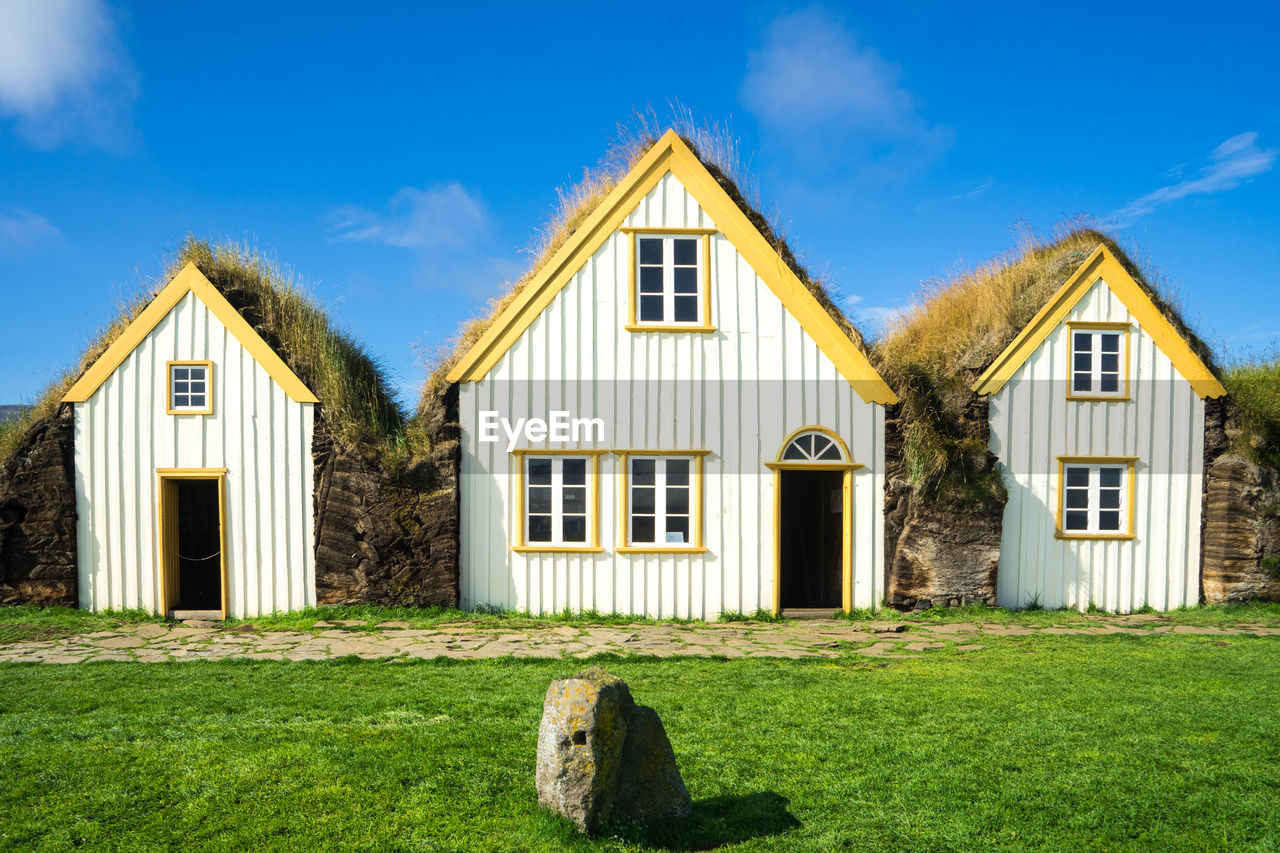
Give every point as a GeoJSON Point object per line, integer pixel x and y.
{"type": "Point", "coordinates": [23, 231]}
{"type": "Point", "coordinates": [443, 217]}
{"type": "Point", "coordinates": [64, 73]}
{"type": "Point", "coordinates": [813, 82]}
{"type": "Point", "coordinates": [1230, 164]}
{"type": "Point", "coordinates": [872, 318]}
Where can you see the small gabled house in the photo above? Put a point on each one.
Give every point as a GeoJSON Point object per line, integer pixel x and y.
{"type": "Point", "coordinates": [193, 471]}
{"type": "Point", "coordinates": [666, 420]}
{"type": "Point", "coordinates": [1097, 418]}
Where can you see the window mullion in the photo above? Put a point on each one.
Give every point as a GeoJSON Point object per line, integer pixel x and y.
{"type": "Point", "coordinates": [1095, 498]}
{"type": "Point", "coordinates": [668, 279]}
{"type": "Point", "coordinates": [557, 500]}
{"type": "Point", "coordinates": [660, 502]}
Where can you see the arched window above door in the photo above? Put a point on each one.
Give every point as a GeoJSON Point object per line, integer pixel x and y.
{"type": "Point", "coordinates": [814, 446]}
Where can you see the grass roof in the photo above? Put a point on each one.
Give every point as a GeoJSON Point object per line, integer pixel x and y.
{"type": "Point", "coordinates": [353, 389]}
{"type": "Point", "coordinates": [954, 330]}
{"type": "Point", "coordinates": [1254, 386]}
{"type": "Point", "coordinates": [715, 147]}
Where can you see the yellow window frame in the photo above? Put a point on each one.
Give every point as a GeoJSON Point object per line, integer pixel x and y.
{"type": "Point", "coordinates": [1130, 465]}
{"type": "Point", "coordinates": [1125, 367]}
{"type": "Point", "coordinates": [632, 324]}
{"type": "Point", "coordinates": [208, 382]}
{"type": "Point", "coordinates": [592, 546]}
{"type": "Point", "coordinates": [697, 484]}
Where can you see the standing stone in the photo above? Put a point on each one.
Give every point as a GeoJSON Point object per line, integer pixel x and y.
{"type": "Point", "coordinates": [602, 757]}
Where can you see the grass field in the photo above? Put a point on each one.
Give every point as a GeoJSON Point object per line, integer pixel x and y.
{"type": "Point", "coordinates": [1041, 742]}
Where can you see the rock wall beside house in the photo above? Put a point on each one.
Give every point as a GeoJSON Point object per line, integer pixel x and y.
{"type": "Point", "coordinates": [38, 516]}
{"type": "Point", "coordinates": [387, 538]}
{"type": "Point", "coordinates": [938, 551]}
{"type": "Point", "coordinates": [1240, 521]}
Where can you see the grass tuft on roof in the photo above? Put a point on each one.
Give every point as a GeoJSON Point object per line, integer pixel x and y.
{"type": "Point", "coordinates": [355, 394]}
{"type": "Point", "coordinates": [716, 148]}
{"type": "Point", "coordinates": [934, 350]}
{"type": "Point", "coordinates": [1254, 386]}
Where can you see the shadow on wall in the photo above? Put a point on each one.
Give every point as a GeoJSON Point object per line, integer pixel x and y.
{"type": "Point", "coordinates": [716, 822]}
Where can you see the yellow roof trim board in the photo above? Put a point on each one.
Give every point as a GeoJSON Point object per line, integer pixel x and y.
{"type": "Point", "coordinates": [1102, 265]}
{"type": "Point", "coordinates": [188, 280]}
{"type": "Point", "coordinates": [671, 154]}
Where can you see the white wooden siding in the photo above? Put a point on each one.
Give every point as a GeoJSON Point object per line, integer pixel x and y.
{"type": "Point", "coordinates": [724, 392]}
{"type": "Point", "coordinates": [262, 438]}
{"type": "Point", "coordinates": [1032, 424]}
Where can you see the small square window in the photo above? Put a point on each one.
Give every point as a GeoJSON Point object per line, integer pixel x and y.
{"type": "Point", "coordinates": [189, 388]}
{"type": "Point", "coordinates": [670, 290]}
{"type": "Point", "coordinates": [661, 502]}
{"type": "Point", "coordinates": [1098, 368]}
{"type": "Point", "coordinates": [557, 501]}
{"type": "Point", "coordinates": [1095, 499]}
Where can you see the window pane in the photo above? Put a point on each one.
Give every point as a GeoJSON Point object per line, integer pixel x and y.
{"type": "Point", "coordinates": [1076, 520]}
{"type": "Point", "coordinates": [678, 501]}
{"type": "Point", "coordinates": [1077, 498]}
{"type": "Point", "coordinates": [1083, 361]}
{"type": "Point", "coordinates": [197, 373]}
{"type": "Point", "coordinates": [642, 528]}
{"type": "Point", "coordinates": [1109, 519]}
{"type": "Point", "coordinates": [686, 252]}
{"type": "Point", "coordinates": [793, 452]}
{"type": "Point", "coordinates": [642, 472]}
{"type": "Point", "coordinates": [650, 250]}
{"type": "Point", "coordinates": [575, 528]}
{"type": "Point", "coordinates": [1109, 498]}
{"type": "Point", "coordinates": [197, 401]}
{"type": "Point", "coordinates": [539, 528]}
{"type": "Point", "coordinates": [574, 499]}
{"type": "Point", "coordinates": [1077, 476]}
{"type": "Point", "coordinates": [686, 279]}
{"type": "Point", "coordinates": [1110, 362]}
{"type": "Point", "coordinates": [1110, 477]}
{"type": "Point", "coordinates": [1082, 382]}
{"type": "Point", "coordinates": [1111, 343]}
{"type": "Point", "coordinates": [651, 279]}
{"type": "Point", "coordinates": [574, 472]}
{"type": "Point", "coordinates": [643, 500]}
{"type": "Point", "coordinates": [181, 401]}
{"type": "Point", "coordinates": [1083, 342]}
{"type": "Point", "coordinates": [539, 500]}
{"type": "Point", "coordinates": [651, 309]}
{"type": "Point", "coordinates": [686, 309]}
{"type": "Point", "coordinates": [677, 472]}
{"type": "Point", "coordinates": [829, 452]}
{"type": "Point", "coordinates": [677, 530]}
{"type": "Point", "coordinates": [540, 471]}
{"type": "Point", "coordinates": [1109, 384]}
{"type": "Point", "coordinates": [181, 372]}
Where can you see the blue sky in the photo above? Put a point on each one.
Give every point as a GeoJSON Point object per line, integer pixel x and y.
{"type": "Point", "coordinates": [401, 157]}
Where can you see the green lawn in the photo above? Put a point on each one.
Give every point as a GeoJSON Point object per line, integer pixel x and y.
{"type": "Point", "coordinates": [1042, 742]}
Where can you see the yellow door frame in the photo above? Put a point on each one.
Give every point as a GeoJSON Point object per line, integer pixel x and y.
{"type": "Point", "coordinates": [846, 518]}
{"type": "Point", "coordinates": [167, 526]}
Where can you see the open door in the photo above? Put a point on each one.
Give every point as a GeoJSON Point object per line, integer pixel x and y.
{"type": "Point", "coordinates": [813, 523]}
{"type": "Point", "coordinates": [193, 565]}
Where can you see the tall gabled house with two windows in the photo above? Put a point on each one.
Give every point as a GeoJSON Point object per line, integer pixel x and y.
{"type": "Point", "coordinates": [1097, 417]}
{"type": "Point", "coordinates": [667, 421]}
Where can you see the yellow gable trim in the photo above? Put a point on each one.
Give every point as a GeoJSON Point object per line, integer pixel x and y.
{"type": "Point", "coordinates": [670, 154]}
{"type": "Point", "coordinates": [1101, 265]}
{"type": "Point", "coordinates": [189, 280]}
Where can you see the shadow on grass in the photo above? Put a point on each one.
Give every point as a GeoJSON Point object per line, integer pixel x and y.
{"type": "Point", "coordinates": [715, 822]}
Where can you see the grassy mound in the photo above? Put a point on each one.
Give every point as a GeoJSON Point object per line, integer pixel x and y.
{"type": "Point", "coordinates": [1254, 386]}
{"type": "Point", "coordinates": [357, 401]}
{"type": "Point", "coordinates": [956, 328]}
{"type": "Point", "coordinates": [717, 150]}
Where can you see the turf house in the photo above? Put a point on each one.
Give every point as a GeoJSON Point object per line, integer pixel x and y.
{"type": "Point", "coordinates": [222, 451]}
{"type": "Point", "coordinates": [720, 443]}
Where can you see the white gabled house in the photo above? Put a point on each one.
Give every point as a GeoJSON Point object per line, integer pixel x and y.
{"type": "Point", "coordinates": [694, 432]}
{"type": "Point", "coordinates": [1097, 418]}
{"type": "Point", "coordinates": [193, 470]}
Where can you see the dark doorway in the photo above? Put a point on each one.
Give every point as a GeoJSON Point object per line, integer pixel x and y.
{"type": "Point", "coordinates": [811, 546]}
{"type": "Point", "coordinates": [199, 545]}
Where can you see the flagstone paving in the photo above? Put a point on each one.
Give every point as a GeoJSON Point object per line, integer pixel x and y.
{"type": "Point", "coordinates": [818, 638]}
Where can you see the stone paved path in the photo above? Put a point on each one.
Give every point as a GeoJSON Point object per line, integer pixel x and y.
{"type": "Point", "coordinates": [153, 642]}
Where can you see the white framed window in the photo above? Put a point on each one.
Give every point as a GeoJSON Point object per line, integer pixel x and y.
{"type": "Point", "coordinates": [662, 501]}
{"type": "Point", "coordinates": [190, 387]}
{"type": "Point", "coordinates": [670, 273]}
{"type": "Point", "coordinates": [1095, 497]}
{"type": "Point", "coordinates": [558, 500]}
{"type": "Point", "coordinates": [1099, 361]}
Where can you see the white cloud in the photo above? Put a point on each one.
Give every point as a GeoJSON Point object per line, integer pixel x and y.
{"type": "Point", "coordinates": [1230, 164]}
{"type": "Point", "coordinates": [442, 217]}
{"type": "Point", "coordinates": [23, 230]}
{"type": "Point", "coordinates": [63, 71]}
{"type": "Point", "coordinates": [873, 319]}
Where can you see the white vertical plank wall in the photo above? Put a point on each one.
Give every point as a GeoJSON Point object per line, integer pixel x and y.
{"type": "Point", "coordinates": [262, 438]}
{"type": "Point", "coordinates": [664, 391]}
{"type": "Point", "coordinates": [1032, 424]}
